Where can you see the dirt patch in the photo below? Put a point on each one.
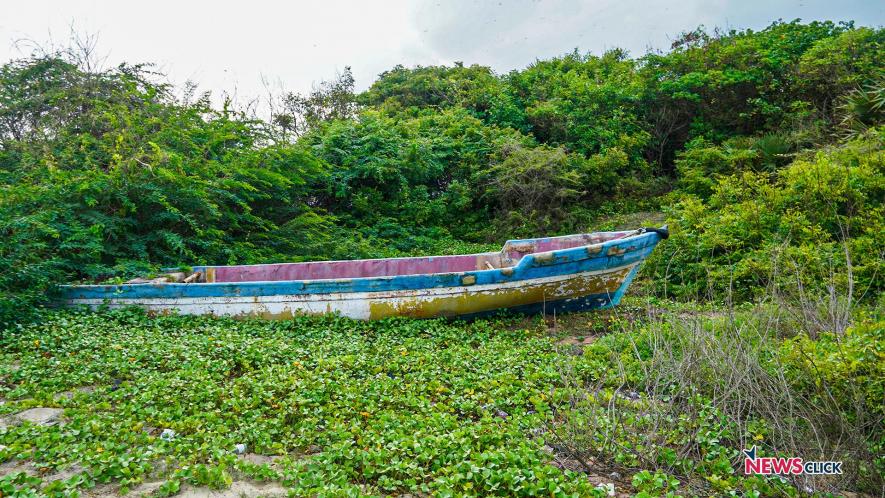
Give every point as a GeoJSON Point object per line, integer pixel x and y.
{"type": "Point", "coordinates": [143, 489]}
{"type": "Point", "coordinates": [238, 489]}
{"type": "Point", "coordinates": [15, 466]}
{"type": "Point", "coordinates": [613, 482]}
{"type": "Point", "coordinates": [256, 459]}
{"type": "Point", "coordinates": [575, 345]}
{"type": "Point", "coordinates": [151, 430]}
{"type": "Point", "coordinates": [64, 473]}
{"type": "Point", "coordinates": [102, 491]}
{"type": "Point", "coordinates": [577, 340]}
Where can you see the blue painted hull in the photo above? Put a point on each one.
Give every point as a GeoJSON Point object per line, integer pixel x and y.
{"type": "Point", "coordinates": [584, 277]}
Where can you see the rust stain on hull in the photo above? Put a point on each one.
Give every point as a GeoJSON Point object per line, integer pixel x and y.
{"type": "Point", "coordinates": [476, 302]}
{"type": "Point", "coordinates": [286, 314]}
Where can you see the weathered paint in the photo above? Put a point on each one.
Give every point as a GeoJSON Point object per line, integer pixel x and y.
{"type": "Point", "coordinates": [496, 297]}
{"type": "Point", "coordinates": [574, 272]}
{"type": "Point", "coordinates": [423, 303]}
{"type": "Point", "coordinates": [510, 255]}
{"type": "Point", "coordinates": [363, 268]}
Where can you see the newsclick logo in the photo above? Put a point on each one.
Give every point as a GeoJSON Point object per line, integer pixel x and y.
{"type": "Point", "coordinates": [784, 466]}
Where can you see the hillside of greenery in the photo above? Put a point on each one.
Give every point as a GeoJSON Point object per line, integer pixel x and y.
{"type": "Point", "coordinates": [760, 321]}
{"type": "Point", "coordinates": [746, 140]}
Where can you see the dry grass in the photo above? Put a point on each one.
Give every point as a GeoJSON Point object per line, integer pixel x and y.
{"type": "Point", "coordinates": [684, 383]}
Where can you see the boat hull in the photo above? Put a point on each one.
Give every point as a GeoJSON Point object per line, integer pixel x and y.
{"type": "Point", "coordinates": [578, 278]}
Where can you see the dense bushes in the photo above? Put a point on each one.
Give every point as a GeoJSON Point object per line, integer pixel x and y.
{"type": "Point", "coordinates": [418, 171]}
{"type": "Point", "coordinates": [756, 225]}
{"type": "Point", "coordinates": [589, 103]}
{"type": "Point", "coordinates": [474, 88]}
{"type": "Point", "coordinates": [106, 172]}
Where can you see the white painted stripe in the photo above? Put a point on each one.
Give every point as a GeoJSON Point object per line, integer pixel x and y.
{"type": "Point", "coordinates": [351, 304]}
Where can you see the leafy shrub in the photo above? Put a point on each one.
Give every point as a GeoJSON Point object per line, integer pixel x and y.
{"type": "Point", "coordinates": [99, 170]}
{"type": "Point", "coordinates": [535, 184]}
{"type": "Point", "coordinates": [851, 365]}
{"type": "Point", "coordinates": [737, 82]}
{"type": "Point", "coordinates": [751, 226]}
{"type": "Point", "coordinates": [848, 371]}
{"type": "Point", "coordinates": [836, 65]}
{"type": "Point", "coordinates": [702, 164]}
{"type": "Point", "coordinates": [414, 172]}
{"type": "Point", "coordinates": [587, 103]}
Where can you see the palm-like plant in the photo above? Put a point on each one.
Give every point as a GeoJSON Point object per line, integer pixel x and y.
{"type": "Point", "coordinates": [774, 149]}
{"type": "Point", "coordinates": [863, 108]}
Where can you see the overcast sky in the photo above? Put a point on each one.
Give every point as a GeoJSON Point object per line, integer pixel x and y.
{"type": "Point", "coordinates": [225, 45]}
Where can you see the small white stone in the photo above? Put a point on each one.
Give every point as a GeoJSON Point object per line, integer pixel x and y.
{"type": "Point", "coordinates": [240, 449]}
{"type": "Point", "coordinates": [167, 434]}
{"type": "Point", "coordinates": [609, 488]}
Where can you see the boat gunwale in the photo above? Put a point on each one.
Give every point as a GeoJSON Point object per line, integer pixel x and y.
{"type": "Point", "coordinates": [506, 244]}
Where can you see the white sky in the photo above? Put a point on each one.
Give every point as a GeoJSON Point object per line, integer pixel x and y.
{"type": "Point", "coordinates": [229, 46]}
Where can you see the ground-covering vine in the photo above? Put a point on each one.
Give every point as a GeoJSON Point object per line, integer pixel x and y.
{"type": "Point", "coordinates": [352, 408]}
{"type": "Point", "coordinates": [106, 404]}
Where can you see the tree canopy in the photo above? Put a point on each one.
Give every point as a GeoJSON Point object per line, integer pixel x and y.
{"type": "Point", "coordinates": [107, 173]}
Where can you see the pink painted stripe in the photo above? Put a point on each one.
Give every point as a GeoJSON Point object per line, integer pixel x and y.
{"type": "Point", "coordinates": [325, 270]}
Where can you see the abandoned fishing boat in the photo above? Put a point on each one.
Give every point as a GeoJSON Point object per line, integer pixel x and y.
{"type": "Point", "coordinates": [568, 273]}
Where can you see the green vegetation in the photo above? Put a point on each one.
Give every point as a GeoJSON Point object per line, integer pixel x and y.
{"type": "Point", "coordinates": [734, 236]}
{"type": "Point", "coordinates": [675, 393]}
{"type": "Point", "coordinates": [760, 320]}
{"type": "Point", "coordinates": [353, 408]}
{"type": "Point", "coordinates": [345, 408]}
{"type": "Point", "coordinates": [108, 173]}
